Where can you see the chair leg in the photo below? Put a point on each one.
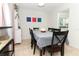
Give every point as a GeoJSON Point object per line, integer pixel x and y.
{"type": "Point", "coordinates": [40, 52]}
{"type": "Point", "coordinates": [62, 51]}
{"type": "Point", "coordinates": [51, 52]}
{"type": "Point", "coordinates": [34, 48]}
{"type": "Point", "coordinates": [31, 43]}
{"type": "Point", "coordinates": [43, 51]}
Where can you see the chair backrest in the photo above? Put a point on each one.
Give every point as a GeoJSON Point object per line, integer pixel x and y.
{"type": "Point", "coordinates": [30, 30]}
{"type": "Point", "coordinates": [31, 33]}
{"type": "Point", "coordinates": [54, 29]}
{"type": "Point", "coordinates": [35, 28]}
{"type": "Point", "coordinates": [59, 38]}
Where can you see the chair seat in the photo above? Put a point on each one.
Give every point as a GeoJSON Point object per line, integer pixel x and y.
{"type": "Point", "coordinates": [55, 48]}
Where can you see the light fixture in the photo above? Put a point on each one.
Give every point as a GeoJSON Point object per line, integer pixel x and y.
{"type": "Point", "coordinates": [41, 4]}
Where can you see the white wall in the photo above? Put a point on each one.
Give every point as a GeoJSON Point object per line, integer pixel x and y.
{"type": "Point", "coordinates": [54, 15]}
{"type": "Point", "coordinates": [25, 12]}
{"type": "Point", "coordinates": [53, 19]}
{"type": "Point", "coordinates": [74, 25]}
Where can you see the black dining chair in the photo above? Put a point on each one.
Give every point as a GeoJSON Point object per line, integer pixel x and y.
{"type": "Point", "coordinates": [31, 38]}
{"type": "Point", "coordinates": [57, 44]}
{"type": "Point", "coordinates": [35, 28]}
{"type": "Point", "coordinates": [54, 29]}
{"type": "Point", "coordinates": [33, 41]}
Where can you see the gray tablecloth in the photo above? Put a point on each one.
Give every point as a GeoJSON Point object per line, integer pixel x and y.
{"type": "Point", "coordinates": [43, 39]}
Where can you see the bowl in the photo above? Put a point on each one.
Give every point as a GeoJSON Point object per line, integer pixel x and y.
{"type": "Point", "coordinates": [43, 31]}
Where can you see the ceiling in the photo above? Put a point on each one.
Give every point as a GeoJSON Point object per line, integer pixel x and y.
{"type": "Point", "coordinates": [34, 6]}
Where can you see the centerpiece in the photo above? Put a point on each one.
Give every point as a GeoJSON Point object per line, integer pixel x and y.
{"type": "Point", "coordinates": [43, 30]}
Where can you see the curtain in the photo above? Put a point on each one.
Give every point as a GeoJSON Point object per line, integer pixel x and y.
{"type": "Point", "coordinates": [0, 14]}
{"type": "Point", "coordinates": [2, 32]}
{"type": "Point", "coordinates": [6, 19]}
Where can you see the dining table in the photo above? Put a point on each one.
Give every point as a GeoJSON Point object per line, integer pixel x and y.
{"type": "Point", "coordinates": [44, 38]}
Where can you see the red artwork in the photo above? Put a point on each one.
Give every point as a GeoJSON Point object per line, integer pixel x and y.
{"type": "Point", "coordinates": [33, 19]}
